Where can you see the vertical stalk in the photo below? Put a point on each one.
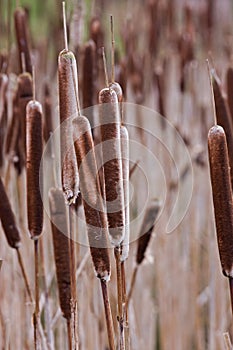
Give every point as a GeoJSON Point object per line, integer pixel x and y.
{"type": "Point", "coordinates": [108, 314]}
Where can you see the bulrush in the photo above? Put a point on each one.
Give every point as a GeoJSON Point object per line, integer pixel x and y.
{"type": "Point", "coordinates": [34, 201]}
{"type": "Point", "coordinates": [89, 76]}
{"type": "Point", "coordinates": [11, 231]}
{"type": "Point", "coordinates": [222, 199]}
{"type": "Point", "coordinates": [95, 216]}
{"type": "Point", "coordinates": [34, 154]}
{"type": "Point", "coordinates": [21, 31]}
{"type": "Point", "coordinates": [48, 122]}
{"type": "Point", "coordinates": [223, 117]}
{"type": "Point", "coordinates": [147, 227]}
{"type": "Point", "coordinates": [145, 234]}
{"type": "Point", "coordinates": [61, 249]}
{"type": "Point", "coordinates": [68, 88]}
{"type": "Point", "coordinates": [8, 219]}
{"type": "Point", "coordinates": [24, 95]}
{"type": "Point", "coordinates": [112, 163]}
{"type": "Point", "coordinates": [222, 196]}
{"type": "Point", "coordinates": [92, 201]}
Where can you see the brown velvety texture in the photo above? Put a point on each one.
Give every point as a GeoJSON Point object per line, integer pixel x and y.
{"type": "Point", "coordinates": [61, 249]}
{"type": "Point", "coordinates": [68, 90]}
{"type": "Point", "coordinates": [33, 159]}
{"type": "Point", "coordinates": [95, 216]}
{"type": "Point", "coordinates": [223, 117]}
{"type": "Point", "coordinates": [222, 196]}
{"type": "Point", "coordinates": [89, 77]}
{"type": "Point", "coordinates": [8, 219]}
{"type": "Point", "coordinates": [21, 31]}
{"type": "Point", "coordinates": [112, 164]}
{"type": "Point", "coordinates": [147, 227]}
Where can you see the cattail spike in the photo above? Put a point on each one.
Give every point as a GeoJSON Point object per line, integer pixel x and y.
{"type": "Point", "coordinates": [112, 163]}
{"type": "Point", "coordinates": [68, 87]}
{"type": "Point", "coordinates": [8, 219]}
{"type": "Point", "coordinates": [222, 196]}
{"type": "Point", "coordinates": [34, 155]}
{"type": "Point", "coordinates": [91, 196]}
{"type": "Point", "coordinates": [61, 249]}
{"type": "Point", "coordinates": [223, 117]}
{"type": "Point", "coordinates": [147, 227]}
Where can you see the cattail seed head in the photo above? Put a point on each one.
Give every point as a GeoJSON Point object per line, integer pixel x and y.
{"type": "Point", "coordinates": [95, 216]}
{"type": "Point", "coordinates": [33, 159]}
{"type": "Point", "coordinates": [147, 227]}
{"type": "Point", "coordinates": [222, 196]}
{"type": "Point", "coordinates": [21, 31]}
{"type": "Point", "coordinates": [89, 76]}
{"type": "Point", "coordinates": [118, 90]}
{"type": "Point", "coordinates": [68, 89]}
{"type": "Point", "coordinates": [8, 219]}
{"type": "Point", "coordinates": [223, 117]}
{"type": "Point", "coordinates": [61, 249]}
{"type": "Point", "coordinates": [112, 164]}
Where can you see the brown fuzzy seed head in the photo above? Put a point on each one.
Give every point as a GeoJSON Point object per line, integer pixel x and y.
{"type": "Point", "coordinates": [68, 87]}
{"type": "Point", "coordinates": [112, 163]}
{"type": "Point", "coordinates": [89, 75]}
{"type": "Point", "coordinates": [33, 159]}
{"type": "Point", "coordinates": [21, 30]}
{"type": "Point", "coordinates": [222, 196]}
{"type": "Point", "coordinates": [147, 227]}
{"type": "Point", "coordinates": [61, 249]}
{"type": "Point", "coordinates": [118, 90]}
{"type": "Point", "coordinates": [223, 117]}
{"type": "Point", "coordinates": [96, 219]}
{"type": "Point", "coordinates": [8, 219]}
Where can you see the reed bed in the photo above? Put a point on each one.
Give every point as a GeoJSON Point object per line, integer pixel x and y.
{"type": "Point", "coordinates": [97, 188]}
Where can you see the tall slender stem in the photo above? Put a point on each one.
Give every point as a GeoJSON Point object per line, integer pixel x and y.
{"type": "Point", "coordinates": [125, 311]}
{"type": "Point", "coordinates": [37, 299]}
{"type": "Point", "coordinates": [119, 297]}
{"type": "Point", "coordinates": [108, 315]}
{"type": "Point", "coordinates": [25, 278]}
{"type": "Point", "coordinates": [73, 280]}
